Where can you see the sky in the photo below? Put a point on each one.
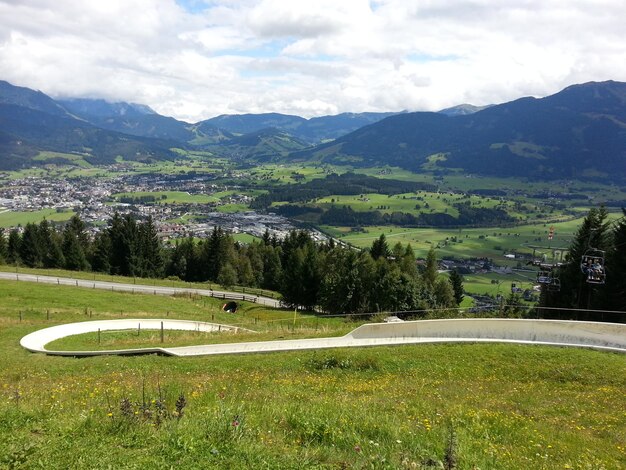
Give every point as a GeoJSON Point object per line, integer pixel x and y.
{"type": "Point", "coordinates": [195, 59]}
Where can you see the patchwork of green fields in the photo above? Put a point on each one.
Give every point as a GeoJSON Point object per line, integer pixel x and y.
{"type": "Point", "coordinates": [413, 203]}
{"type": "Point", "coordinates": [491, 242]}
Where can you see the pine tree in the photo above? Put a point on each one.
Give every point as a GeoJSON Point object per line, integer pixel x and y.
{"type": "Point", "coordinates": [430, 274]}
{"type": "Point", "coordinates": [101, 253]}
{"type": "Point", "coordinates": [78, 227]}
{"type": "Point", "coordinates": [177, 263]}
{"type": "Point", "coordinates": [379, 248]}
{"type": "Point", "coordinates": [615, 292]}
{"type": "Point", "coordinates": [291, 279]}
{"type": "Point", "coordinates": [266, 239]}
{"type": "Point", "coordinates": [123, 234]}
{"type": "Point", "coordinates": [74, 245]}
{"type": "Point", "coordinates": [31, 247]}
{"type": "Point", "coordinates": [51, 245]}
{"type": "Point", "coordinates": [394, 291]}
{"type": "Point", "coordinates": [398, 252]}
{"type": "Point", "coordinates": [13, 247]}
{"type": "Point", "coordinates": [216, 251]}
{"type": "Point", "coordinates": [192, 264]}
{"type": "Point", "coordinates": [254, 253]}
{"type": "Point", "coordinates": [456, 281]}
{"type": "Point", "coordinates": [272, 268]}
{"type": "Point", "coordinates": [310, 276]}
{"type": "Point", "coordinates": [3, 247]}
{"type": "Point", "coordinates": [408, 262]}
{"type": "Point", "coordinates": [150, 258]}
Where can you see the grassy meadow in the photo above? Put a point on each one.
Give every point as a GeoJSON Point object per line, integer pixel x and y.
{"type": "Point", "coordinates": [482, 406]}
{"type": "Point", "coordinates": [489, 242]}
{"type": "Point", "coordinates": [12, 218]}
{"type": "Point", "coordinates": [412, 203]}
{"type": "Point", "coordinates": [170, 197]}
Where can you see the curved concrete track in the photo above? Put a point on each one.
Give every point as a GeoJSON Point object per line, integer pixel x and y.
{"type": "Point", "coordinates": [139, 288]}
{"type": "Point", "coordinates": [36, 341]}
{"type": "Point", "coordinates": [602, 336]}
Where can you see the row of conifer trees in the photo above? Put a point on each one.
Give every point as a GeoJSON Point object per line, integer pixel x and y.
{"type": "Point", "coordinates": [307, 274]}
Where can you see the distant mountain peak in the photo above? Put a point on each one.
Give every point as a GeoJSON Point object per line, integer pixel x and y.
{"type": "Point", "coordinates": [463, 109]}
{"type": "Point", "coordinates": [27, 98]}
{"type": "Point", "coordinates": [87, 107]}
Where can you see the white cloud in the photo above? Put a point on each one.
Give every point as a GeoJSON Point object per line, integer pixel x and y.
{"type": "Point", "coordinates": [195, 59]}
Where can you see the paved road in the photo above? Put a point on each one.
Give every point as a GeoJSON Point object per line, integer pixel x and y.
{"type": "Point", "coordinates": [139, 288]}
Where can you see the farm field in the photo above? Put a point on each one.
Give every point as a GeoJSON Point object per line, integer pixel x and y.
{"type": "Point", "coordinates": [415, 203]}
{"type": "Point", "coordinates": [495, 284]}
{"type": "Point", "coordinates": [170, 197]}
{"type": "Point", "coordinates": [483, 406]}
{"type": "Point", "coordinates": [11, 218]}
{"type": "Point", "coordinates": [489, 242]}
{"type": "Point", "coordinates": [244, 238]}
{"type": "Point", "coordinates": [78, 160]}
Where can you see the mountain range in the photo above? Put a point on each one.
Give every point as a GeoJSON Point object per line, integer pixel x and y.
{"type": "Point", "coordinates": [579, 132]}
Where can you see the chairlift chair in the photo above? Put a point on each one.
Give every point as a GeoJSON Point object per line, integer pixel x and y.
{"type": "Point", "coordinates": [549, 278]}
{"type": "Point", "coordinates": [544, 277]}
{"type": "Point", "coordinates": [592, 266]}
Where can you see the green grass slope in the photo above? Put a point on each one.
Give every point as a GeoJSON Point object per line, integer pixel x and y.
{"type": "Point", "coordinates": [478, 406]}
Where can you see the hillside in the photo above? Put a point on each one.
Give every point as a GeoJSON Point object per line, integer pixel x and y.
{"type": "Point", "coordinates": [31, 99]}
{"type": "Point", "coordinates": [541, 407]}
{"type": "Point", "coordinates": [246, 123]}
{"type": "Point", "coordinates": [25, 128]}
{"type": "Point", "coordinates": [577, 133]}
{"type": "Point", "coordinates": [263, 145]}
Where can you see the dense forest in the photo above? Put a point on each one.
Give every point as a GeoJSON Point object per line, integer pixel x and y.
{"type": "Point", "coordinates": [346, 216]}
{"type": "Point", "coordinates": [334, 278]}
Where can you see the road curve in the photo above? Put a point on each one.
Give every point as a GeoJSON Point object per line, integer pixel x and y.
{"type": "Point", "coordinates": [139, 288]}
{"type": "Point", "coordinates": [595, 335]}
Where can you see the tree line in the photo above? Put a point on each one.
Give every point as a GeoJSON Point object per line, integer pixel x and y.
{"type": "Point", "coordinates": [307, 274]}
{"type": "Point", "coordinates": [345, 216]}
